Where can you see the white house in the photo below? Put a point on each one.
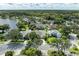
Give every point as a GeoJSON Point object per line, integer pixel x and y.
{"type": "Point", "coordinates": [55, 33]}
{"type": "Point", "coordinates": [72, 36]}
{"type": "Point", "coordinates": [0, 30]}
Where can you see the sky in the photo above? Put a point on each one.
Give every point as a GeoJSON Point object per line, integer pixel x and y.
{"type": "Point", "coordinates": [39, 6]}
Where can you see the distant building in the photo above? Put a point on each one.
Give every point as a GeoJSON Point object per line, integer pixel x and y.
{"type": "Point", "coordinates": [27, 20]}
{"type": "Point", "coordinates": [72, 36]}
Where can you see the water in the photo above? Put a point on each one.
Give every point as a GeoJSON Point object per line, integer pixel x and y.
{"type": "Point", "coordinates": [12, 23]}
{"type": "Point", "coordinates": [11, 46]}
{"type": "Point", "coordinates": [14, 46]}
{"type": "Point", "coordinates": [3, 49]}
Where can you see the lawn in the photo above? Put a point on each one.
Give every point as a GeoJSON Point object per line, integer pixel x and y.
{"type": "Point", "coordinates": [2, 41]}
{"type": "Point", "coordinates": [74, 50]}
{"type": "Point", "coordinates": [17, 41]}
{"type": "Point", "coordinates": [50, 40]}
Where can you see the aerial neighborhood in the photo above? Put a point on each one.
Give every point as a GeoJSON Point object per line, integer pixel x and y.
{"type": "Point", "coordinates": [39, 33]}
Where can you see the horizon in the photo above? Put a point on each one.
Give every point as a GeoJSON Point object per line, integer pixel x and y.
{"type": "Point", "coordinates": [39, 6]}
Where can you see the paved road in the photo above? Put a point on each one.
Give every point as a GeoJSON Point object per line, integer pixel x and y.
{"type": "Point", "coordinates": [44, 47]}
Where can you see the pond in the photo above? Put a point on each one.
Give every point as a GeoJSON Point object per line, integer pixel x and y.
{"type": "Point", "coordinates": [11, 46]}
{"type": "Point", "coordinates": [12, 23]}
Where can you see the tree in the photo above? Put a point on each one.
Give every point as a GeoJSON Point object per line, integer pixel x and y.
{"type": "Point", "coordinates": [60, 44]}
{"type": "Point", "coordinates": [14, 34]}
{"type": "Point", "coordinates": [74, 50]}
{"type": "Point", "coordinates": [46, 34]}
{"type": "Point", "coordinates": [32, 26]}
{"type": "Point", "coordinates": [9, 53]}
{"type": "Point", "coordinates": [29, 43]}
{"type": "Point", "coordinates": [31, 52]}
{"type": "Point", "coordinates": [35, 39]}
{"type": "Point", "coordinates": [32, 35]}
{"type": "Point", "coordinates": [65, 30]}
{"type": "Point", "coordinates": [56, 53]}
{"type": "Point", "coordinates": [78, 35]}
{"type": "Point", "coordinates": [4, 27]}
{"type": "Point", "coordinates": [65, 44]}
{"type": "Point", "coordinates": [1, 37]}
{"type": "Point", "coordinates": [3, 16]}
{"type": "Point", "coordinates": [55, 42]}
{"type": "Point", "coordinates": [22, 25]}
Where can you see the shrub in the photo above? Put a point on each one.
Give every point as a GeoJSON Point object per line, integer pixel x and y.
{"type": "Point", "coordinates": [56, 53]}
{"type": "Point", "coordinates": [74, 50]}
{"type": "Point", "coordinates": [51, 40]}
{"type": "Point", "coordinates": [31, 52]}
{"type": "Point", "coordinates": [9, 53]}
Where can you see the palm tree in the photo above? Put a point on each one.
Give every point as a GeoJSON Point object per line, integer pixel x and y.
{"type": "Point", "coordinates": [46, 30]}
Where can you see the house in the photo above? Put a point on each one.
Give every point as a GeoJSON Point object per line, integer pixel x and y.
{"type": "Point", "coordinates": [0, 31]}
{"type": "Point", "coordinates": [25, 32]}
{"type": "Point", "coordinates": [72, 36]}
{"type": "Point", "coordinates": [40, 26]}
{"type": "Point", "coordinates": [52, 26]}
{"type": "Point", "coordinates": [41, 33]}
{"type": "Point", "coordinates": [27, 20]}
{"type": "Point", "coordinates": [55, 33]}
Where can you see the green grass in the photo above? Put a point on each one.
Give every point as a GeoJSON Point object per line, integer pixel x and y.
{"type": "Point", "coordinates": [74, 50]}
{"type": "Point", "coordinates": [17, 41]}
{"type": "Point", "coordinates": [51, 39]}
{"type": "Point", "coordinates": [78, 42]}
{"type": "Point", "coordinates": [27, 27]}
{"type": "Point", "coordinates": [2, 41]}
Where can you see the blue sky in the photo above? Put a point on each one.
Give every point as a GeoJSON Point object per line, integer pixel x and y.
{"type": "Point", "coordinates": [39, 6]}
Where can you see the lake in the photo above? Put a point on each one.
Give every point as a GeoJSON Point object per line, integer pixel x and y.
{"type": "Point", "coordinates": [12, 23]}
